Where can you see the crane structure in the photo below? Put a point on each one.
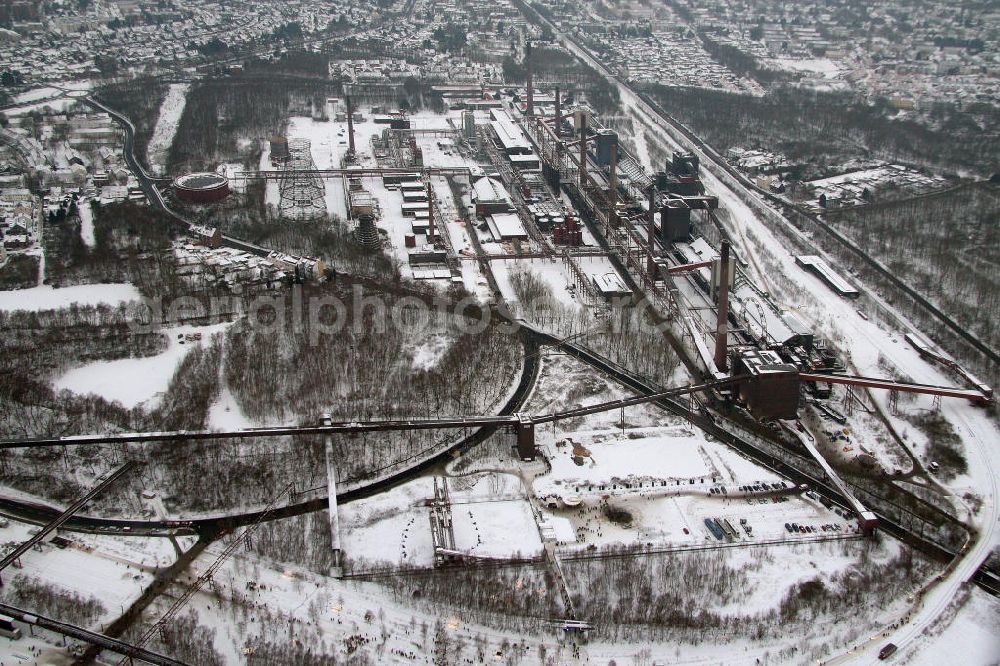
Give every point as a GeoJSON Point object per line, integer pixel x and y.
{"type": "Point", "coordinates": [206, 576]}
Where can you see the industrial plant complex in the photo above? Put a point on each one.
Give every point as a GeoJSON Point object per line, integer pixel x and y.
{"type": "Point", "coordinates": [535, 331]}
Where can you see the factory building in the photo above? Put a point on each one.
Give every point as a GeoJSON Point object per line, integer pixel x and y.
{"type": "Point", "coordinates": [506, 226]}
{"type": "Point", "coordinates": [772, 392]}
{"type": "Point", "coordinates": [675, 221]}
{"type": "Point", "coordinates": [490, 197]}
{"type": "Point", "coordinates": [605, 143]}
{"type": "Point", "coordinates": [832, 279]}
{"type": "Point", "coordinates": [610, 285]}
{"type": "Point", "coordinates": [510, 137]}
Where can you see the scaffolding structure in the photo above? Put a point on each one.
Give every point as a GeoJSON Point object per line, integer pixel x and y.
{"type": "Point", "coordinates": [303, 197]}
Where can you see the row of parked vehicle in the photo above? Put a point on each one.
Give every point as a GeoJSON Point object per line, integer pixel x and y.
{"type": "Point", "coordinates": [804, 529]}
{"type": "Point", "coordinates": [762, 486]}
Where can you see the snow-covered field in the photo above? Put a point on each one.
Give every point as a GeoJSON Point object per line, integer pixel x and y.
{"type": "Point", "coordinates": [973, 633]}
{"type": "Point", "coordinates": [226, 413]}
{"type": "Point", "coordinates": [87, 223]}
{"type": "Point", "coordinates": [491, 517]}
{"type": "Point", "coordinates": [135, 381]}
{"type": "Point", "coordinates": [824, 66]}
{"type": "Point", "coordinates": [392, 527]}
{"type": "Point", "coordinates": [659, 469]}
{"type": "Point", "coordinates": [44, 297]}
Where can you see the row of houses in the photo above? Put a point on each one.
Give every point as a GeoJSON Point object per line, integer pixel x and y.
{"type": "Point", "coordinates": [204, 261]}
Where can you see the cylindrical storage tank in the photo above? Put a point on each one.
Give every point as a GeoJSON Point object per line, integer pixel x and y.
{"type": "Point", "coordinates": [201, 188]}
{"type": "Point", "coordinates": [410, 240]}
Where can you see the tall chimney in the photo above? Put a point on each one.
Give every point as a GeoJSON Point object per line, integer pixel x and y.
{"type": "Point", "coordinates": [613, 186]}
{"type": "Point", "coordinates": [527, 76]}
{"type": "Point", "coordinates": [650, 234]}
{"type": "Point", "coordinates": [350, 126]}
{"type": "Point", "coordinates": [430, 212]}
{"type": "Point", "coordinates": [583, 149]}
{"type": "Point", "coordinates": [558, 116]}
{"type": "Point", "coordinates": [722, 325]}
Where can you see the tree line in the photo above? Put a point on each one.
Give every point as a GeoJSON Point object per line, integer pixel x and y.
{"type": "Point", "coordinates": [823, 129]}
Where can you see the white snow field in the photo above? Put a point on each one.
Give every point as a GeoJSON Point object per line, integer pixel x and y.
{"type": "Point", "coordinates": [135, 381]}
{"type": "Point", "coordinates": [44, 297]}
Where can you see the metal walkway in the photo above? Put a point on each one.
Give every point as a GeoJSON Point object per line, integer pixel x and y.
{"type": "Point", "coordinates": [353, 427]}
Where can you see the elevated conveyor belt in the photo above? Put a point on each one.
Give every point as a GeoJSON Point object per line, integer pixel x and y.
{"type": "Point", "coordinates": [867, 520]}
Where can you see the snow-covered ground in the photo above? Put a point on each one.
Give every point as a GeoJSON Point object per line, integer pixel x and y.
{"type": "Point", "coordinates": [37, 94]}
{"type": "Point", "coordinates": [86, 223]}
{"type": "Point", "coordinates": [430, 350]}
{"type": "Point", "coordinates": [45, 297]}
{"type": "Point", "coordinates": [110, 570]}
{"type": "Point", "coordinates": [823, 66]}
{"type": "Point", "coordinates": [328, 139]}
{"type": "Point", "coordinates": [226, 413]}
{"type": "Point", "coordinates": [166, 126]}
{"type": "Point", "coordinates": [974, 633]}
{"type": "Point", "coordinates": [658, 468]}
{"type": "Point", "coordinates": [491, 517]}
{"type": "Point", "coordinates": [393, 526]}
{"type": "Point", "coordinates": [135, 381]}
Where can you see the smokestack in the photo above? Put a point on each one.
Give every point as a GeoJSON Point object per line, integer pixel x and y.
{"type": "Point", "coordinates": [583, 149]}
{"type": "Point", "coordinates": [558, 116]}
{"type": "Point", "coordinates": [527, 66]}
{"type": "Point", "coordinates": [722, 325]}
{"type": "Point", "coordinates": [650, 232]}
{"type": "Point", "coordinates": [613, 186]}
{"type": "Point", "coordinates": [430, 213]}
{"type": "Point", "coordinates": [350, 126]}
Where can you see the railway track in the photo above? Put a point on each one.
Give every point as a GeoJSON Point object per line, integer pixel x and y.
{"type": "Point", "coordinates": [787, 466]}
{"type": "Point", "coordinates": [821, 224]}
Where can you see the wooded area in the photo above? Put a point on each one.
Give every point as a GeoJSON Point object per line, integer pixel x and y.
{"type": "Point", "coordinates": [224, 119]}
{"type": "Point", "coordinates": [946, 247]}
{"type": "Point", "coordinates": [625, 335]}
{"type": "Point", "coordinates": [20, 271]}
{"type": "Point", "coordinates": [129, 246]}
{"type": "Point", "coordinates": [823, 129]}
{"type": "Point", "coordinates": [690, 596]}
